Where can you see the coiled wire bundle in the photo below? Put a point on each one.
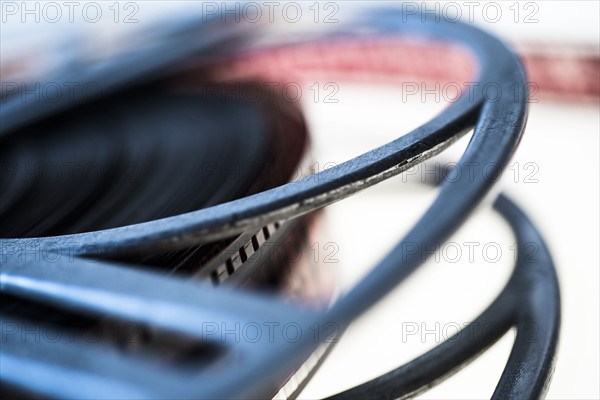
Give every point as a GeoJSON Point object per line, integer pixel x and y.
{"type": "Point", "coordinates": [77, 259]}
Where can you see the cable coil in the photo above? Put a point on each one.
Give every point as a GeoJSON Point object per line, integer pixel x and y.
{"type": "Point", "coordinates": [104, 230]}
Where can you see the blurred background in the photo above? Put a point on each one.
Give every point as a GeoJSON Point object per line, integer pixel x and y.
{"type": "Point", "coordinates": [554, 175]}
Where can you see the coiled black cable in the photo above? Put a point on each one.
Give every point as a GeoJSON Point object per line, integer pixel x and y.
{"type": "Point", "coordinates": [130, 294]}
